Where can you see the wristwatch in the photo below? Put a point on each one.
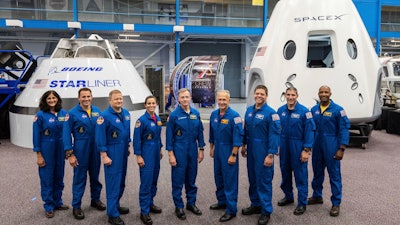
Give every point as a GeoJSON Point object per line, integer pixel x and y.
{"type": "Point", "coordinates": [342, 149]}
{"type": "Point", "coordinates": [201, 149]}
{"type": "Point", "coordinates": [69, 154]}
{"type": "Point", "coordinates": [233, 154]}
{"type": "Point", "coordinates": [307, 150]}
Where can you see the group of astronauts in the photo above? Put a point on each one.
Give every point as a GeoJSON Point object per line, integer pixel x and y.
{"type": "Point", "coordinates": [87, 137]}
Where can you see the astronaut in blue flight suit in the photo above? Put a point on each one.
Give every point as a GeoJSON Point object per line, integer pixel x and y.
{"type": "Point", "coordinates": [183, 136]}
{"type": "Point", "coordinates": [147, 148]}
{"type": "Point", "coordinates": [260, 143]}
{"type": "Point", "coordinates": [82, 154]}
{"type": "Point", "coordinates": [297, 139]}
{"type": "Point", "coordinates": [112, 140]}
{"type": "Point", "coordinates": [331, 138]}
{"type": "Point", "coordinates": [48, 145]}
{"type": "Point", "coordinates": [226, 136]}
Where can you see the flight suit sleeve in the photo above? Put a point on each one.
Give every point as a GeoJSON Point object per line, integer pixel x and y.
{"type": "Point", "coordinates": [344, 126]}
{"type": "Point", "coordinates": [170, 134]}
{"type": "Point", "coordinates": [66, 132]}
{"type": "Point", "coordinates": [309, 130]}
{"type": "Point", "coordinates": [101, 134]}
{"type": "Point", "coordinates": [137, 136]}
{"type": "Point", "coordinates": [238, 131]}
{"type": "Point", "coordinates": [211, 133]}
{"type": "Point", "coordinates": [274, 132]}
{"type": "Point", "coordinates": [37, 128]}
{"type": "Point", "coordinates": [200, 136]}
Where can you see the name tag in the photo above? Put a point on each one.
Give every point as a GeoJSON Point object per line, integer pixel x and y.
{"type": "Point", "coordinates": [295, 115]}
{"type": "Point", "coordinates": [259, 116]}
{"type": "Point", "coordinates": [193, 117]}
{"type": "Point", "coordinates": [224, 121]}
{"type": "Point", "coordinates": [328, 114]}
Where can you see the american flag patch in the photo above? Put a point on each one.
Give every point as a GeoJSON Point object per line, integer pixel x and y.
{"type": "Point", "coordinates": [261, 51]}
{"type": "Point", "coordinates": [275, 117]}
{"type": "Point", "coordinates": [343, 113]}
{"type": "Point", "coordinates": [237, 120]}
{"type": "Point", "coordinates": [40, 83]}
{"type": "Point", "coordinates": [308, 115]}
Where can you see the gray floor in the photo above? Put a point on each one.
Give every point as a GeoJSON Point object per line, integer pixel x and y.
{"type": "Point", "coordinates": [370, 191]}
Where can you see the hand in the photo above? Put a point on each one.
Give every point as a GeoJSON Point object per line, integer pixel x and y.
{"type": "Point", "coordinates": [40, 160]}
{"type": "Point", "coordinates": [268, 161]}
{"type": "Point", "coordinates": [304, 156]}
{"type": "Point", "coordinates": [212, 152]}
{"type": "Point", "coordinates": [73, 161]}
{"type": "Point", "coordinates": [232, 160]}
{"type": "Point", "coordinates": [140, 161]}
{"type": "Point", "coordinates": [161, 155]}
{"type": "Point", "coordinates": [172, 159]}
{"type": "Point", "coordinates": [106, 160]}
{"type": "Point", "coordinates": [244, 151]}
{"type": "Point", "coordinates": [200, 156]}
{"type": "Point", "coordinates": [339, 154]}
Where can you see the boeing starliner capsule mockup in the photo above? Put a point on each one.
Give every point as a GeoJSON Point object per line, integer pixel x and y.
{"type": "Point", "coordinates": [94, 63]}
{"type": "Point", "coordinates": [310, 43]}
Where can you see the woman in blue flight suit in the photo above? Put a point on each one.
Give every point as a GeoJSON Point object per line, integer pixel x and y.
{"type": "Point", "coordinates": [147, 147]}
{"type": "Point", "coordinates": [48, 145]}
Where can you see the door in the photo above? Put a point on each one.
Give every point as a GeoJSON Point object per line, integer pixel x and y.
{"type": "Point", "coordinates": [154, 77]}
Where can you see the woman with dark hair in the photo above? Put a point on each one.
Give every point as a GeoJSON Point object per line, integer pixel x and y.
{"type": "Point", "coordinates": [47, 143]}
{"type": "Point", "coordinates": [147, 146]}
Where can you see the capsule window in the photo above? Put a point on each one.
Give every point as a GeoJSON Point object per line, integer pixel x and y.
{"type": "Point", "coordinates": [289, 50]}
{"type": "Point", "coordinates": [320, 53]}
{"type": "Point", "coordinates": [352, 48]}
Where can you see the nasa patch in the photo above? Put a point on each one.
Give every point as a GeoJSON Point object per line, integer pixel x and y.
{"type": "Point", "coordinates": [66, 117]}
{"type": "Point", "coordinates": [100, 120]}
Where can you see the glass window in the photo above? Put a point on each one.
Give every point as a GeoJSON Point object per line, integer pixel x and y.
{"type": "Point", "coordinates": [289, 50]}
{"type": "Point", "coordinates": [390, 18]}
{"type": "Point", "coordinates": [352, 48]}
{"type": "Point", "coordinates": [319, 53]}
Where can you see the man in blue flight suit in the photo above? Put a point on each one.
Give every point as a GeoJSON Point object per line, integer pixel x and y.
{"type": "Point", "coordinates": [297, 139]}
{"type": "Point", "coordinates": [112, 140]}
{"type": "Point", "coordinates": [226, 136]}
{"type": "Point", "coordinates": [83, 155]}
{"type": "Point", "coordinates": [332, 137]}
{"type": "Point", "coordinates": [260, 143]}
{"type": "Point", "coordinates": [183, 136]}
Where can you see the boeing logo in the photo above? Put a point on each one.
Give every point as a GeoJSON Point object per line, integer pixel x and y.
{"type": "Point", "coordinates": [54, 70]}
{"type": "Point", "coordinates": [318, 18]}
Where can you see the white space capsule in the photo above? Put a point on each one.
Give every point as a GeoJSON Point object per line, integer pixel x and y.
{"type": "Point", "coordinates": [311, 43]}
{"type": "Point", "coordinates": [75, 63]}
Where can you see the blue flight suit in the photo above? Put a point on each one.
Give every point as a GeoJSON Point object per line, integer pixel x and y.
{"type": "Point", "coordinates": [147, 143]}
{"type": "Point", "coordinates": [262, 130]}
{"type": "Point", "coordinates": [297, 133]}
{"type": "Point", "coordinates": [332, 131]}
{"type": "Point", "coordinates": [82, 126]}
{"type": "Point", "coordinates": [47, 139]}
{"type": "Point", "coordinates": [113, 137]}
{"type": "Point", "coordinates": [225, 133]}
{"type": "Point", "coordinates": [184, 134]}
